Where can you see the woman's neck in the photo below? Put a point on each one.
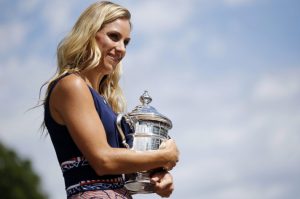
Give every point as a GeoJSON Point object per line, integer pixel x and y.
{"type": "Point", "coordinates": [92, 78]}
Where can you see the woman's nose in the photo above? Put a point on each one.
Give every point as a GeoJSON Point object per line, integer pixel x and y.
{"type": "Point", "coordinates": [121, 47]}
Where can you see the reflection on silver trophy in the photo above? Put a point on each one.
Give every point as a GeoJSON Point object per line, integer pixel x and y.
{"type": "Point", "coordinates": [150, 129]}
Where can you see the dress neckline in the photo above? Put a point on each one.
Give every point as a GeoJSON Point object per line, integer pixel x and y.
{"type": "Point", "coordinates": [102, 97]}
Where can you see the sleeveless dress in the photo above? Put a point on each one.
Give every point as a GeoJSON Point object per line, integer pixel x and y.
{"type": "Point", "coordinates": [81, 181]}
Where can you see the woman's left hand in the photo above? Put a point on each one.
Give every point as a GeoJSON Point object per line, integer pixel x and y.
{"type": "Point", "coordinates": [163, 182]}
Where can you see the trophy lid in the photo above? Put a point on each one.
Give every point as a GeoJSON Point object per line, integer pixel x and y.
{"type": "Point", "coordinates": [147, 112]}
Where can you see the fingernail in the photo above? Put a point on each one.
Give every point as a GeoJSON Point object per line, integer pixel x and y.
{"type": "Point", "coordinates": [155, 179]}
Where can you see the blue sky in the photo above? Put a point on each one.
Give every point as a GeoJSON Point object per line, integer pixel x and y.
{"type": "Point", "coordinates": [226, 72]}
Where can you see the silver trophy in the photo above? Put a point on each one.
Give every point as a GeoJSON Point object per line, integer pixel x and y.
{"type": "Point", "coordinates": [150, 129]}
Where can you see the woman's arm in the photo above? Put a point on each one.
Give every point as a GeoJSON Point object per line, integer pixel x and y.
{"type": "Point", "coordinates": [71, 104]}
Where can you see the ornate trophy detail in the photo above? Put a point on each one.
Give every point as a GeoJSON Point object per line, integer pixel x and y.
{"type": "Point", "coordinates": [150, 129]}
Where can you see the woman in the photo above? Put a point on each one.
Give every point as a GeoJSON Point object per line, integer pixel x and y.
{"type": "Point", "coordinates": [81, 105]}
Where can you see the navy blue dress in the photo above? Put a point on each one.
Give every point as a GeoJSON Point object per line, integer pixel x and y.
{"type": "Point", "coordinates": [78, 175]}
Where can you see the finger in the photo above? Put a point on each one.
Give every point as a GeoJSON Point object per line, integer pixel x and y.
{"type": "Point", "coordinates": [166, 192]}
{"type": "Point", "coordinates": [165, 182]}
{"type": "Point", "coordinates": [170, 166]}
{"type": "Point", "coordinates": [157, 175]}
{"type": "Point", "coordinates": [154, 179]}
{"type": "Point", "coordinates": [162, 145]}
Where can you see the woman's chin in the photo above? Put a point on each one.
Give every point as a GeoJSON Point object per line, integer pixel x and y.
{"type": "Point", "coordinates": [108, 69]}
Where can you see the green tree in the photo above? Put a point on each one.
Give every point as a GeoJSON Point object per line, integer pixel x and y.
{"type": "Point", "coordinates": [17, 178]}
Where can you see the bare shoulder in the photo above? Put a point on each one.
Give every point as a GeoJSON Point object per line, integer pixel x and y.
{"type": "Point", "coordinates": [70, 89]}
{"type": "Point", "coordinates": [71, 84]}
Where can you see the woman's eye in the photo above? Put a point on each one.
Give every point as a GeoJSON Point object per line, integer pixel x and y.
{"type": "Point", "coordinates": [114, 37]}
{"type": "Point", "coordinates": [126, 42]}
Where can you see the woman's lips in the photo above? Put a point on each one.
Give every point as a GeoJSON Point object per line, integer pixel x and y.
{"type": "Point", "coordinates": [115, 58]}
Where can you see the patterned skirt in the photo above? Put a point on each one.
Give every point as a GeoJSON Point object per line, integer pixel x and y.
{"type": "Point", "coordinates": [103, 194]}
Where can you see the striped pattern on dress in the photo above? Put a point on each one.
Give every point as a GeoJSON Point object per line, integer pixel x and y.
{"type": "Point", "coordinates": [103, 194]}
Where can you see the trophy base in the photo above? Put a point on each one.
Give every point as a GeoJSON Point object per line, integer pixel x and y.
{"type": "Point", "coordinates": [139, 183]}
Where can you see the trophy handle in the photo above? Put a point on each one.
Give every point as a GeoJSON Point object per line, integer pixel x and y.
{"type": "Point", "coordinates": [119, 127]}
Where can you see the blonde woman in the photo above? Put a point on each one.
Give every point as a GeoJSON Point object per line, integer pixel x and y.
{"type": "Point", "coordinates": [81, 103]}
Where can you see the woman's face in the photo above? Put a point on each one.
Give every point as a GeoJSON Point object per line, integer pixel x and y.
{"type": "Point", "coordinates": [112, 40]}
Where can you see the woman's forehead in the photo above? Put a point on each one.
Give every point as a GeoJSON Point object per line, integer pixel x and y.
{"type": "Point", "coordinates": [119, 25]}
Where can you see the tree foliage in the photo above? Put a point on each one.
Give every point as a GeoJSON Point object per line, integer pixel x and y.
{"type": "Point", "coordinates": [17, 178]}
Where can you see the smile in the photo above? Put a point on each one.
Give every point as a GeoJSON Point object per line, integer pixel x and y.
{"type": "Point", "coordinates": [114, 58]}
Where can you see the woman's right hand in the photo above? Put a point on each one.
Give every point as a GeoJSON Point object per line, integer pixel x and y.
{"type": "Point", "coordinates": [172, 153]}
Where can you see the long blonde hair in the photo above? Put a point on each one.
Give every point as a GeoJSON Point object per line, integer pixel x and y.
{"type": "Point", "coordinates": [79, 51]}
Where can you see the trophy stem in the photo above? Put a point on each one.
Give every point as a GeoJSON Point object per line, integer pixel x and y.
{"type": "Point", "coordinates": [139, 183]}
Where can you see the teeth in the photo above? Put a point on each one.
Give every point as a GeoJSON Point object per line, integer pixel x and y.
{"type": "Point", "coordinates": [115, 58]}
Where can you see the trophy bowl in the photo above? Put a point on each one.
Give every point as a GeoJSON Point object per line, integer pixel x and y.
{"type": "Point", "coordinates": [150, 129]}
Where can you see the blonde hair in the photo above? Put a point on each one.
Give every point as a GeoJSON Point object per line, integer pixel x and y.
{"type": "Point", "coordinates": [79, 51]}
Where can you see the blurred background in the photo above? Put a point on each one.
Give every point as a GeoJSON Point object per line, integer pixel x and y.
{"type": "Point", "coordinates": [226, 72]}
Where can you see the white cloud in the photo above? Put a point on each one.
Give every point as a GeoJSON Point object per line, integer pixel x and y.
{"type": "Point", "coordinates": [27, 6]}
{"type": "Point", "coordinates": [276, 88]}
{"type": "Point", "coordinates": [216, 47]}
{"type": "Point", "coordinates": [12, 35]}
{"type": "Point", "coordinates": [157, 17]}
{"type": "Point", "coordinates": [58, 17]}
